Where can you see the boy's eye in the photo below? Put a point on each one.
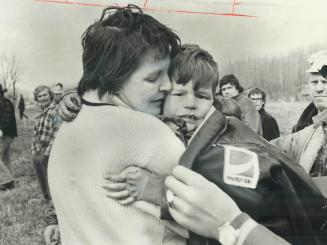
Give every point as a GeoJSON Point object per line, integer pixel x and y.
{"type": "Point", "coordinates": [203, 96]}
{"type": "Point", "coordinates": [314, 82]}
{"type": "Point", "coordinates": [173, 93]}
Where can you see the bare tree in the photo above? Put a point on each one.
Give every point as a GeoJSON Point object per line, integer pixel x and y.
{"type": "Point", "coordinates": [10, 72]}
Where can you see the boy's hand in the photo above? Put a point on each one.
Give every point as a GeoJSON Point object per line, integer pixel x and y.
{"type": "Point", "coordinates": [1, 133]}
{"type": "Point", "coordinates": [132, 184]}
{"type": "Point", "coordinates": [69, 107]}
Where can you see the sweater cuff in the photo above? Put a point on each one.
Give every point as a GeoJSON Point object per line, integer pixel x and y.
{"type": "Point", "coordinates": [245, 230]}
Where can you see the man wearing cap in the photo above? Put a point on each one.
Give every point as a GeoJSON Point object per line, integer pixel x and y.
{"type": "Point", "coordinates": [8, 130]}
{"type": "Point", "coordinates": [308, 146]}
{"type": "Point", "coordinates": [230, 87]}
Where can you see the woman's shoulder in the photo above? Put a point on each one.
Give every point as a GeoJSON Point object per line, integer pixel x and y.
{"type": "Point", "coordinates": [144, 122]}
{"type": "Point", "coordinates": [124, 118]}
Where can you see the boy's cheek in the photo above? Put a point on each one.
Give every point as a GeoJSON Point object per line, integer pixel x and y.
{"type": "Point", "coordinates": [171, 106]}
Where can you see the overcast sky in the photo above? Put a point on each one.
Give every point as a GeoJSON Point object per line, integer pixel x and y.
{"type": "Point", "coordinates": [46, 36]}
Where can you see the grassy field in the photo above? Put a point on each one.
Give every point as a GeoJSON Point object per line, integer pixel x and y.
{"type": "Point", "coordinates": [22, 208]}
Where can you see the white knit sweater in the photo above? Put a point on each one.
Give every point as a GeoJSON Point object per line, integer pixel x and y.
{"type": "Point", "coordinates": [107, 139]}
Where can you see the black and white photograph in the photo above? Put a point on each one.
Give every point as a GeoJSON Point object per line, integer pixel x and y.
{"type": "Point", "coordinates": [163, 122]}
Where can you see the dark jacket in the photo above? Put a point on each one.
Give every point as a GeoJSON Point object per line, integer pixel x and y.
{"type": "Point", "coordinates": [21, 104]}
{"type": "Point", "coordinates": [269, 124]}
{"type": "Point", "coordinates": [285, 199]}
{"type": "Point", "coordinates": [7, 118]}
{"type": "Point", "coordinates": [305, 118]}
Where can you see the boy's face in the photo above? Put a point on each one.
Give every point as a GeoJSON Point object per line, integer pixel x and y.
{"type": "Point", "coordinates": [189, 102]}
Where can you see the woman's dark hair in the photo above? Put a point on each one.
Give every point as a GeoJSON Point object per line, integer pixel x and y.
{"type": "Point", "coordinates": [114, 46]}
{"type": "Point", "coordinates": [231, 79]}
{"type": "Point", "coordinates": [196, 64]}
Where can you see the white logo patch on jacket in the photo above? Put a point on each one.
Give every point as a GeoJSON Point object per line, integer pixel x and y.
{"type": "Point", "coordinates": [241, 167]}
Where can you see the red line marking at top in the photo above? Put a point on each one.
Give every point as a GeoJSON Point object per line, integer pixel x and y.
{"type": "Point", "coordinates": [145, 3]}
{"type": "Point", "coordinates": [233, 11]}
{"type": "Point", "coordinates": [199, 12]}
{"type": "Point", "coordinates": [73, 3]}
{"type": "Point", "coordinates": [152, 9]}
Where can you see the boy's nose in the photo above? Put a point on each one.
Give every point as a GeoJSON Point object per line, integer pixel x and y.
{"type": "Point", "coordinates": [166, 85]}
{"type": "Point", "coordinates": [190, 102]}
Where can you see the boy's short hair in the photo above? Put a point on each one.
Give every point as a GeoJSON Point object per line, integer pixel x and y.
{"type": "Point", "coordinates": [113, 47]}
{"type": "Point", "coordinates": [40, 88]}
{"type": "Point", "coordinates": [196, 64]}
{"type": "Point", "coordinates": [258, 91]}
{"type": "Point", "coordinates": [232, 80]}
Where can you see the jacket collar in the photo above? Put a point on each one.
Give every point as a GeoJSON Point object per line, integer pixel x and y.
{"type": "Point", "coordinates": [320, 118]}
{"type": "Point", "coordinates": [51, 106]}
{"type": "Point", "coordinates": [212, 126]}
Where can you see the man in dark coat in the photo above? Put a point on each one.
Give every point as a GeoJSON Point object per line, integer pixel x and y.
{"type": "Point", "coordinates": [269, 124]}
{"type": "Point", "coordinates": [8, 130]}
{"type": "Point", "coordinates": [21, 107]}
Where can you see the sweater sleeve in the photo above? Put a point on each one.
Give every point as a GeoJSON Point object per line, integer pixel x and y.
{"type": "Point", "coordinates": [260, 233]}
{"type": "Point", "coordinates": [164, 150]}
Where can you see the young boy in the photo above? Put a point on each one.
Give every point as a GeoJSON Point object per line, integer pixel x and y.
{"type": "Point", "coordinates": [194, 77]}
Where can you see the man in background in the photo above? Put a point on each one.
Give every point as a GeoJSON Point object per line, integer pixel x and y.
{"type": "Point", "coordinates": [230, 88]}
{"type": "Point", "coordinates": [8, 130]}
{"type": "Point", "coordinates": [309, 145]}
{"type": "Point", "coordinates": [269, 124]}
{"type": "Point", "coordinates": [21, 108]}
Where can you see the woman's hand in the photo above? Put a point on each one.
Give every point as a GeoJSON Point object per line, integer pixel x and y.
{"type": "Point", "coordinates": [198, 204]}
{"type": "Point", "coordinates": [69, 107]}
{"type": "Point", "coordinates": [132, 184]}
